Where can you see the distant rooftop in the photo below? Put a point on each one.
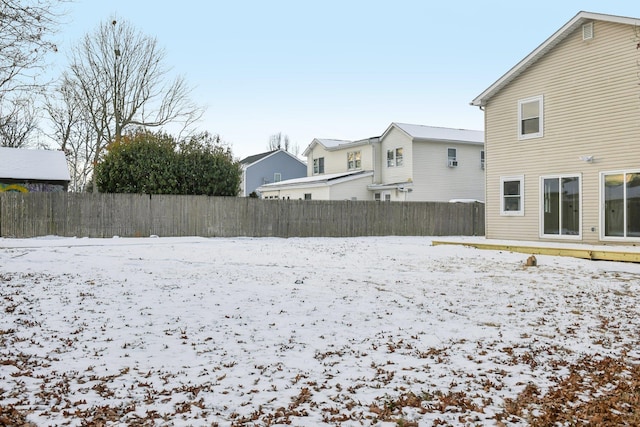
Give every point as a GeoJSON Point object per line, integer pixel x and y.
{"type": "Point", "coordinates": [27, 164]}
{"type": "Point", "coordinates": [441, 133]}
{"type": "Point", "coordinates": [254, 158]}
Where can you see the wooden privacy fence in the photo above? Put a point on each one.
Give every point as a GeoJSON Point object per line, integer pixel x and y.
{"type": "Point", "coordinates": [138, 215]}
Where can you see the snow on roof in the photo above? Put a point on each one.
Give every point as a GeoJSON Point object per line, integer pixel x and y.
{"type": "Point", "coordinates": [311, 179]}
{"type": "Point", "coordinates": [21, 163]}
{"type": "Point", "coordinates": [441, 133]}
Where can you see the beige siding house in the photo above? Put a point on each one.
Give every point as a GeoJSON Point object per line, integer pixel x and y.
{"type": "Point", "coordinates": [407, 163]}
{"type": "Point", "coordinates": [562, 137]}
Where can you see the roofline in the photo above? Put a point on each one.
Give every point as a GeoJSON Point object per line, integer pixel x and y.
{"type": "Point", "coordinates": [444, 140]}
{"type": "Point", "coordinates": [548, 44]}
{"type": "Point", "coordinates": [346, 144]}
{"type": "Point", "coordinates": [246, 165]}
{"type": "Point", "coordinates": [319, 183]}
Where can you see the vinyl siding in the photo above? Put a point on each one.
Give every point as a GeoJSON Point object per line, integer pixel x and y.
{"type": "Point", "coordinates": [335, 161]}
{"type": "Point", "coordinates": [396, 139]}
{"type": "Point", "coordinates": [434, 180]}
{"type": "Point", "coordinates": [591, 107]}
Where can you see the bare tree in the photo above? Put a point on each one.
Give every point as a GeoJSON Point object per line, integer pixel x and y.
{"type": "Point", "coordinates": [117, 74]}
{"type": "Point", "coordinates": [73, 132]}
{"type": "Point", "coordinates": [17, 121]}
{"type": "Point", "coordinates": [278, 141]}
{"type": "Point", "coordinates": [25, 28]}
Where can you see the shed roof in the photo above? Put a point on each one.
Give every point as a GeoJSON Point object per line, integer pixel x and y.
{"type": "Point", "coordinates": [546, 46]}
{"type": "Point", "coordinates": [27, 164]}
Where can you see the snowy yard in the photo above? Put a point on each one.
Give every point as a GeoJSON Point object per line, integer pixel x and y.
{"type": "Point", "coordinates": [344, 331]}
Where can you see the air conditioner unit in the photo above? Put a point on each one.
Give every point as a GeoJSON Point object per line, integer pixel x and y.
{"type": "Point", "coordinates": [452, 163]}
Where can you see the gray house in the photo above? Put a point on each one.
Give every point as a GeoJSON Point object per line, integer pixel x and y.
{"type": "Point", "coordinates": [269, 167]}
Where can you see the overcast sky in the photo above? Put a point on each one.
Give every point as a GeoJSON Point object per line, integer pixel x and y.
{"type": "Point", "coordinates": [336, 69]}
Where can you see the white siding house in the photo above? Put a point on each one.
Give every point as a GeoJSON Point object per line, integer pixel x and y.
{"type": "Point", "coordinates": [407, 163]}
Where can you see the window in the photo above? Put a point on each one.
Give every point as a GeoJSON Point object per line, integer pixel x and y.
{"type": "Point", "coordinates": [530, 123]}
{"type": "Point", "coordinates": [621, 204]}
{"type": "Point", "coordinates": [354, 160]}
{"type": "Point", "coordinates": [560, 206]}
{"type": "Point", "coordinates": [482, 159]}
{"type": "Point", "coordinates": [395, 157]}
{"type": "Point", "coordinates": [307, 196]}
{"type": "Point", "coordinates": [376, 197]}
{"type": "Point", "coordinates": [452, 157]}
{"type": "Point", "coordinates": [277, 177]}
{"type": "Point", "coordinates": [512, 196]}
{"type": "Point", "coordinates": [318, 165]}
{"type": "Point", "coordinates": [399, 158]}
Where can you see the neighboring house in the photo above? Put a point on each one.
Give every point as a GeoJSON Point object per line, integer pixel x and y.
{"type": "Point", "coordinates": [562, 137]}
{"type": "Point", "coordinates": [269, 167]}
{"type": "Point", "coordinates": [406, 163]}
{"type": "Point", "coordinates": [23, 170]}
{"type": "Point", "coordinates": [427, 163]}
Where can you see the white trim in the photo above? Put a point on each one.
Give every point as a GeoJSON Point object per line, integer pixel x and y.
{"type": "Point", "coordinates": [601, 207]}
{"type": "Point", "coordinates": [540, 133]}
{"type": "Point", "coordinates": [541, 208]}
{"type": "Point", "coordinates": [504, 179]}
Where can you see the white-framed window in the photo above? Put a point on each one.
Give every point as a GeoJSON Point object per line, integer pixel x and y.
{"type": "Point", "coordinates": [395, 157]}
{"type": "Point", "coordinates": [277, 177]}
{"type": "Point", "coordinates": [531, 117]}
{"type": "Point", "coordinates": [512, 195]}
{"type": "Point", "coordinates": [620, 205]}
{"type": "Point", "coordinates": [399, 156]}
{"type": "Point", "coordinates": [318, 165]}
{"type": "Point", "coordinates": [482, 159]}
{"type": "Point", "coordinates": [452, 157]}
{"type": "Point", "coordinates": [307, 196]}
{"type": "Point", "coordinates": [560, 202]}
{"type": "Point", "coordinates": [377, 197]}
{"type": "Point", "coordinates": [354, 160]}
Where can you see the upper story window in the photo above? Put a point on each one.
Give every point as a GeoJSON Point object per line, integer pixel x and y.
{"type": "Point", "coordinates": [277, 177]}
{"type": "Point", "coordinates": [530, 118]}
{"type": "Point", "coordinates": [395, 157]}
{"type": "Point", "coordinates": [318, 165]}
{"type": "Point", "coordinates": [354, 160]}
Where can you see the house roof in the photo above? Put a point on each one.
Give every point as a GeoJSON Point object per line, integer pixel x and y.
{"type": "Point", "coordinates": [327, 179]}
{"type": "Point", "coordinates": [41, 165]}
{"type": "Point", "coordinates": [337, 144]}
{"type": "Point", "coordinates": [254, 158]}
{"type": "Point", "coordinates": [439, 133]}
{"type": "Point", "coordinates": [247, 161]}
{"type": "Point", "coordinates": [546, 46]}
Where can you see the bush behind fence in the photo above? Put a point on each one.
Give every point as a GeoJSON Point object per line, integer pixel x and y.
{"type": "Point", "coordinates": [139, 215]}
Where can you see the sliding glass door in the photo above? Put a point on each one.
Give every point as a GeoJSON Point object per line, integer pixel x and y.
{"type": "Point", "coordinates": [621, 204]}
{"type": "Point", "coordinates": [560, 206]}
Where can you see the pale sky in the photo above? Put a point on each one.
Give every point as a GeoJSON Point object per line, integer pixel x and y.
{"type": "Point", "coordinates": [336, 69]}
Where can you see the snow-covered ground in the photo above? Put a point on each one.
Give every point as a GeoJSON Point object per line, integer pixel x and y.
{"type": "Point", "coordinates": [339, 331]}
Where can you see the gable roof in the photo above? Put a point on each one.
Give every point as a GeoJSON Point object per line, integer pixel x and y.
{"type": "Point", "coordinates": [433, 133]}
{"type": "Point", "coordinates": [26, 164]}
{"type": "Point", "coordinates": [250, 160]}
{"type": "Point", "coordinates": [337, 144]}
{"type": "Point", "coordinates": [255, 157]}
{"type": "Point", "coordinates": [546, 46]}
